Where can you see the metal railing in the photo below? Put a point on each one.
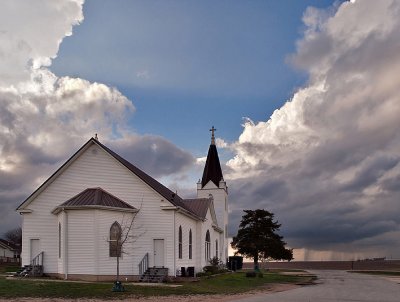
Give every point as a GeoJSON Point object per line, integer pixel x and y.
{"type": "Point", "coordinates": [37, 264]}
{"type": "Point", "coordinates": [144, 264]}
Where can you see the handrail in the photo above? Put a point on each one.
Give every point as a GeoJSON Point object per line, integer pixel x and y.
{"type": "Point", "coordinates": [38, 259]}
{"type": "Point", "coordinates": [36, 262]}
{"type": "Point", "coordinates": [144, 264]}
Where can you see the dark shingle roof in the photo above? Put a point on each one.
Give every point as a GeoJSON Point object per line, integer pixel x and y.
{"type": "Point", "coordinates": [198, 206]}
{"type": "Point", "coordinates": [170, 196]}
{"type": "Point", "coordinates": [212, 170]}
{"type": "Point", "coordinates": [7, 244]}
{"type": "Point", "coordinates": [94, 197]}
{"type": "Point", "coordinates": [158, 187]}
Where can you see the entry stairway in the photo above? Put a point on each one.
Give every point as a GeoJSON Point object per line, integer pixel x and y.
{"type": "Point", "coordinates": [35, 269]}
{"type": "Point", "coordinates": [30, 271]}
{"type": "Point", "coordinates": [154, 275]}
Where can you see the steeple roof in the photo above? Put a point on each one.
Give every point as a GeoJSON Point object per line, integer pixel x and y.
{"type": "Point", "coordinates": [212, 170]}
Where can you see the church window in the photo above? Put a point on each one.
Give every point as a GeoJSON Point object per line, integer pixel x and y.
{"type": "Point", "coordinates": [59, 240]}
{"type": "Point", "coordinates": [180, 242]}
{"type": "Point", "coordinates": [115, 240]}
{"type": "Point", "coordinates": [216, 248]}
{"type": "Point", "coordinates": [190, 244]}
{"type": "Point", "coordinates": [207, 246]}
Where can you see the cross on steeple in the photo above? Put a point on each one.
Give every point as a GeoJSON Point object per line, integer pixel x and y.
{"type": "Point", "coordinates": [212, 135]}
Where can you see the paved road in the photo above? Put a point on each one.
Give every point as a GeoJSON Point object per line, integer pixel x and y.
{"type": "Point", "coordinates": [337, 286]}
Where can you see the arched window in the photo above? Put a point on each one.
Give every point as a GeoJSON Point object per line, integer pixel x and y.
{"type": "Point", "coordinates": [216, 248]}
{"type": "Point", "coordinates": [180, 242]}
{"type": "Point", "coordinates": [59, 240]}
{"type": "Point", "coordinates": [207, 246]}
{"type": "Point", "coordinates": [190, 244]}
{"type": "Point", "coordinates": [115, 240]}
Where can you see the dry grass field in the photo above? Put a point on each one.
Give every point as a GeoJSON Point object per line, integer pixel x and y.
{"type": "Point", "coordinates": [378, 265]}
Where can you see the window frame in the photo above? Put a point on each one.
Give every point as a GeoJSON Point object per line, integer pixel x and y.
{"type": "Point", "coordinates": [115, 250]}
{"type": "Point", "coordinates": [180, 243]}
{"type": "Point", "coordinates": [190, 244]}
{"type": "Point", "coordinates": [59, 240]}
{"type": "Point", "coordinates": [207, 246]}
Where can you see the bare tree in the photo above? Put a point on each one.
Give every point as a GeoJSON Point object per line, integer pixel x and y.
{"type": "Point", "coordinates": [126, 233]}
{"type": "Point", "coordinates": [14, 236]}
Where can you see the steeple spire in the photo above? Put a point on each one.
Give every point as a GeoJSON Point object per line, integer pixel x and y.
{"type": "Point", "coordinates": [212, 170]}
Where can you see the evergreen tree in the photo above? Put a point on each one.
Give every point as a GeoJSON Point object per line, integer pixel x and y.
{"type": "Point", "coordinates": [257, 238]}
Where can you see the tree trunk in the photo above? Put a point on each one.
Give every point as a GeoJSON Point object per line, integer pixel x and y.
{"type": "Point", "coordinates": [256, 267]}
{"type": "Point", "coordinates": [117, 268]}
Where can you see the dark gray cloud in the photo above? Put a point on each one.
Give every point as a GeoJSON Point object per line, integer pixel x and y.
{"type": "Point", "coordinates": [154, 155]}
{"type": "Point", "coordinates": [327, 162]}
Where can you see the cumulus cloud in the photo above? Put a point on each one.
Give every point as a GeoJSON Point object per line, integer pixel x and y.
{"type": "Point", "coordinates": [30, 34]}
{"type": "Point", "coordinates": [44, 118]}
{"type": "Point", "coordinates": [327, 162]}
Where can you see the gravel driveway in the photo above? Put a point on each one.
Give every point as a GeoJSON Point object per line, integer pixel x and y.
{"type": "Point", "coordinates": [337, 286]}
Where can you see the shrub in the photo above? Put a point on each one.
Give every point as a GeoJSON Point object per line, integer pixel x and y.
{"type": "Point", "coordinates": [251, 274]}
{"type": "Point", "coordinates": [260, 275]}
{"type": "Point", "coordinates": [215, 261]}
{"type": "Point", "coordinates": [203, 274]}
{"type": "Point", "coordinates": [211, 269]}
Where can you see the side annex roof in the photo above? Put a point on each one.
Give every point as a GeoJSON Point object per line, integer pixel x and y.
{"type": "Point", "coordinates": [95, 198]}
{"type": "Point", "coordinates": [200, 206]}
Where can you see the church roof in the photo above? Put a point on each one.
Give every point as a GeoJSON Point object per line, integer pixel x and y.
{"type": "Point", "coordinates": [212, 170]}
{"type": "Point", "coordinates": [169, 196]}
{"type": "Point", "coordinates": [158, 187]}
{"type": "Point", "coordinates": [198, 206]}
{"type": "Point", "coordinates": [94, 198]}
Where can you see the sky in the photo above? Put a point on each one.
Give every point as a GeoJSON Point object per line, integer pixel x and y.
{"type": "Point", "coordinates": [304, 96]}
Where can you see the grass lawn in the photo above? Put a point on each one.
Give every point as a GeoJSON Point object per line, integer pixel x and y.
{"type": "Point", "coordinates": [222, 284]}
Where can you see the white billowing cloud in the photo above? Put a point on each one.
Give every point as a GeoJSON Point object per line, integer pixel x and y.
{"type": "Point", "coordinates": [44, 119]}
{"type": "Point", "coordinates": [327, 162]}
{"type": "Point", "coordinates": [30, 34]}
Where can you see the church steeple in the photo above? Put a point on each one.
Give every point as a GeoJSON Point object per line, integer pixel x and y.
{"type": "Point", "coordinates": [212, 170]}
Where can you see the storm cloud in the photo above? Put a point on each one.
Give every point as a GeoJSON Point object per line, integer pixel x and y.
{"type": "Point", "coordinates": [327, 162]}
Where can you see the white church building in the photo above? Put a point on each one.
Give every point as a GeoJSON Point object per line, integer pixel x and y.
{"type": "Point", "coordinates": [70, 222]}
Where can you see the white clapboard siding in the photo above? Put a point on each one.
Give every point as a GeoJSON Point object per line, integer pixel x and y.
{"type": "Point", "coordinates": [5, 252]}
{"type": "Point", "coordinates": [207, 225]}
{"type": "Point", "coordinates": [81, 243]}
{"type": "Point", "coordinates": [106, 265]}
{"type": "Point", "coordinates": [187, 224]}
{"type": "Point", "coordinates": [220, 198]}
{"type": "Point", "coordinates": [61, 238]}
{"type": "Point", "coordinates": [96, 168]}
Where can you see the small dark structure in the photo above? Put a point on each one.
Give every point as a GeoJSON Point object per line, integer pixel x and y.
{"type": "Point", "coordinates": [235, 263]}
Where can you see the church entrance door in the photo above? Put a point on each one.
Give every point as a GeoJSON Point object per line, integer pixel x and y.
{"type": "Point", "coordinates": [35, 248]}
{"type": "Point", "coordinates": [159, 252]}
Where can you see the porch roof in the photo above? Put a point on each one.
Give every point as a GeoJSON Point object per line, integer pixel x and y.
{"type": "Point", "coordinates": [95, 198]}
